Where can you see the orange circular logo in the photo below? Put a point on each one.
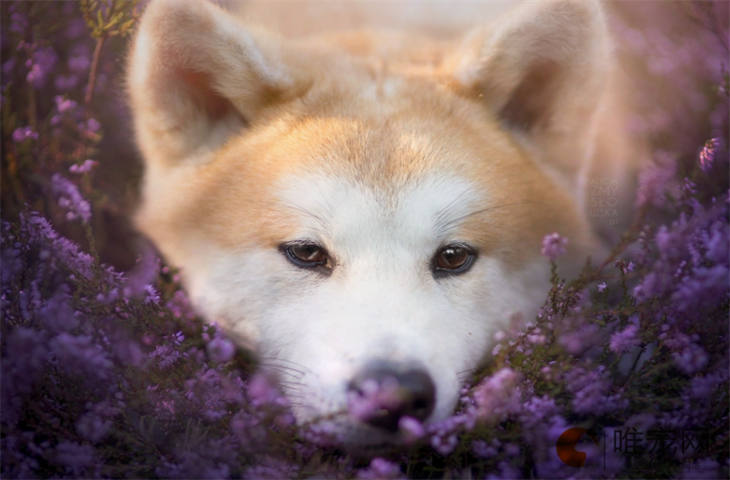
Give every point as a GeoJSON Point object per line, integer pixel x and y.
{"type": "Point", "coordinates": [565, 447]}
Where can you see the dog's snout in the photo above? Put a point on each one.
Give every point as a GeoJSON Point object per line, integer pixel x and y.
{"type": "Point", "coordinates": [380, 396]}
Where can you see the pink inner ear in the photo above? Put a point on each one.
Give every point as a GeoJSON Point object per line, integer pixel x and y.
{"type": "Point", "coordinates": [198, 86]}
{"type": "Point", "coordinates": [532, 102]}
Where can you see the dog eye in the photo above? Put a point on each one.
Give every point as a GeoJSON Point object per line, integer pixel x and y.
{"type": "Point", "coordinates": [306, 254]}
{"type": "Point", "coordinates": [453, 259]}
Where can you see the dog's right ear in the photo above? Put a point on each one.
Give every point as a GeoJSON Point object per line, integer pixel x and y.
{"type": "Point", "coordinates": [196, 77]}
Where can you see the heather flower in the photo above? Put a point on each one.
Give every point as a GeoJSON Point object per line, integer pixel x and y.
{"type": "Point", "coordinates": [498, 395]}
{"type": "Point", "coordinates": [657, 181]}
{"type": "Point", "coordinates": [70, 199]}
{"type": "Point", "coordinates": [579, 340]}
{"type": "Point", "coordinates": [65, 82]}
{"type": "Point", "coordinates": [92, 126]}
{"type": "Point", "coordinates": [703, 387]}
{"type": "Point", "coordinates": [381, 469]}
{"type": "Point", "coordinates": [84, 167]}
{"type": "Point", "coordinates": [411, 429]}
{"type": "Point", "coordinates": [109, 374]}
{"type": "Point", "coordinates": [20, 134]}
{"type": "Point", "coordinates": [702, 287]}
{"type": "Point", "coordinates": [64, 105]}
{"type": "Point", "coordinates": [708, 152]}
{"type": "Point", "coordinates": [40, 65]}
{"type": "Point", "coordinates": [591, 391]}
{"type": "Point", "coordinates": [444, 443]}
{"type": "Point", "coordinates": [536, 410]}
{"type": "Point", "coordinates": [691, 358]}
{"type": "Point", "coordinates": [261, 391]}
{"type": "Point", "coordinates": [78, 354]}
{"type": "Point", "coordinates": [220, 350]}
{"type": "Point", "coordinates": [553, 245]}
{"type": "Point", "coordinates": [372, 397]}
{"type": "Point", "coordinates": [626, 339]}
{"type": "Point", "coordinates": [18, 22]}
{"type": "Point", "coordinates": [140, 278]}
{"type": "Point", "coordinates": [79, 60]}
{"type": "Point", "coordinates": [483, 449]}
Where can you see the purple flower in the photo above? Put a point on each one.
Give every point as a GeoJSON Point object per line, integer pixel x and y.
{"type": "Point", "coordinates": [498, 395]}
{"type": "Point", "coordinates": [707, 154]}
{"type": "Point", "coordinates": [591, 391]}
{"type": "Point", "coordinates": [703, 286]}
{"type": "Point", "coordinates": [261, 391]}
{"type": "Point", "coordinates": [444, 444]}
{"type": "Point", "coordinates": [92, 126]}
{"type": "Point", "coordinates": [381, 469]}
{"type": "Point", "coordinates": [691, 358]}
{"type": "Point", "coordinates": [85, 167]}
{"type": "Point", "coordinates": [40, 232]}
{"type": "Point", "coordinates": [579, 340]}
{"type": "Point", "coordinates": [65, 82]}
{"type": "Point", "coordinates": [18, 22]}
{"type": "Point", "coordinates": [411, 429]}
{"type": "Point", "coordinates": [553, 245]}
{"type": "Point", "coordinates": [483, 449]}
{"type": "Point", "coordinates": [80, 355]}
{"type": "Point", "coordinates": [656, 181]}
{"type": "Point", "coordinates": [20, 134]}
{"type": "Point", "coordinates": [373, 396]}
{"type": "Point", "coordinates": [40, 65]}
{"type": "Point", "coordinates": [601, 286]}
{"type": "Point", "coordinates": [64, 105]}
{"type": "Point", "coordinates": [70, 199]}
{"type": "Point", "coordinates": [625, 340]}
{"type": "Point", "coordinates": [220, 350]}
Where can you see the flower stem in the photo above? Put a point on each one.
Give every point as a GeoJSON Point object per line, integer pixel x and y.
{"type": "Point", "coordinates": [92, 71]}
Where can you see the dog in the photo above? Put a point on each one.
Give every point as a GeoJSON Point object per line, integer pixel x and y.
{"type": "Point", "coordinates": [365, 206]}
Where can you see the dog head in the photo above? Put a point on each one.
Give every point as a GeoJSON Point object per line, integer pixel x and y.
{"type": "Point", "coordinates": [362, 211]}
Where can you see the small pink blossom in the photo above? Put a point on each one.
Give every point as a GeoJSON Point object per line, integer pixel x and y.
{"type": "Point", "coordinates": [553, 245]}
{"type": "Point", "coordinates": [21, 134]}
{"type": "Point", "coordinates": [85, 167]}
{"type": "Point", "coordinates": [708, 152]}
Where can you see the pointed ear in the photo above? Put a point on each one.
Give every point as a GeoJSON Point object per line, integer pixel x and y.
{"type": "Point", "coordinates": [541, 69]}
{"type": "Point", "coordinates": [196, 77]}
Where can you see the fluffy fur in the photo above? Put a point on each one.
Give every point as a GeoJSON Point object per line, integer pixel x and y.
{"type": "Point", "coordinates": [381, 146]}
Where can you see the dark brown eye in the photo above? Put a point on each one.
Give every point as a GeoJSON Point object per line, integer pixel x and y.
{"type": "Point", "coordinates": [306, 254]}
{"type": "Point", "coordinates": [453, 259]}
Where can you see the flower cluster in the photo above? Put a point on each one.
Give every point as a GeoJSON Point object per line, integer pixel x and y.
{"type": "Point", "coordinates": [108, 372]}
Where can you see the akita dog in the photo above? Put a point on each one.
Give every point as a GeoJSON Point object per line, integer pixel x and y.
{"type": "Point", "coordinates": [365, 206]}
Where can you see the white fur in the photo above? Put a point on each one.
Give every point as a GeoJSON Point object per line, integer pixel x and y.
{"type": "Point", "coordinates": [381, 300]}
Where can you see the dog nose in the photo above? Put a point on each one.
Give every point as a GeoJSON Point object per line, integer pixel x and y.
{"type": "Point", "coordinates": [381, 395]}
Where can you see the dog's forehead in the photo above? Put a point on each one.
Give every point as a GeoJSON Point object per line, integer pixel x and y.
{"type": "Point", "coordinates": [417, 212]}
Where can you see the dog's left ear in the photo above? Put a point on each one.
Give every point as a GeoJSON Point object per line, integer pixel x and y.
{"type": "Point", "coordinates": [541, 70]}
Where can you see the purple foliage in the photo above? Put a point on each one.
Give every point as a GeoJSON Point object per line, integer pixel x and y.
{"type": "Point", "coordinates": [108, 372]}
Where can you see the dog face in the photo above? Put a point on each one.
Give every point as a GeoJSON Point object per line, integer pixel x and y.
{"type": "Point", "coordinates": [361, 215]}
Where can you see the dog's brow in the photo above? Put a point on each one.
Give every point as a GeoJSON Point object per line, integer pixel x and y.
{"type": "Point", "coordinates": [317, 218]}
{"type": "Point", "coordinates": [443, 227]}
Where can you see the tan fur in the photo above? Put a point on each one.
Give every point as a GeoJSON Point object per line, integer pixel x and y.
{"type": "Point", "coordinates": [308, 112]}
{"type": "Point", "coordinates": [246, 126]}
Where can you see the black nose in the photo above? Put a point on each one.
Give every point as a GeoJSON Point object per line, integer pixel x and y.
{"type": "Point", "coordinates": [383, 394]}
